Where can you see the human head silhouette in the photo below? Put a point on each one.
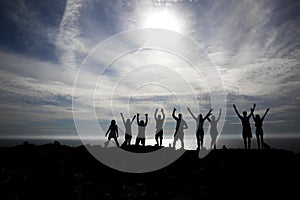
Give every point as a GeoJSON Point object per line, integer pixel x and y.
{"type": "Point", "coordinates": [142, 122]}
{"type": "Point", "coordinates": [113, 122]}
{"type": "Point", "coordinates": [159, 116]}
{"type": "Point", "coordinates": [127, 121]}
{"type": "Point", "coordinates": [257, 116]}
{"type": "Point", "coordinates": [200, 116]}
{"type": "Point", "coordinates": [245, 113]}
{"type": "Point", "coordinates": [213, 118]}
{"type": "Point", "coordinates": [180, 116]}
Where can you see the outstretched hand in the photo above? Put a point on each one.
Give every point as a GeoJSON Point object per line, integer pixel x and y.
{"type": "Point", "coordinates": [146, 114]}
{"type": "Point", "coordinates": [174, 109]}
{"type": "Point", "coordinates": [268, 109]}
{"type": "Point", "coordinates": [188, 108]}
{"type": "Point", "coordinates": [234, 105]}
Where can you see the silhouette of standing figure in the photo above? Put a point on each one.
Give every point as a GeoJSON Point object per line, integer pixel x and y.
{"type": "Point", "coordinates": [113, 132]}
{"type": "Point", "coordinates": [159, 126]}
{"type": "Point", "coordinates": [180, 126]}
{"type": "Point", "coordinates": [200, 132]}
{"type": "Point", "coordinates": [259, 131]}
{"type": "Point", "coordinates": [128, 133]}
{"type": "Point", "coordinates": [214, 130]}
{"type": "Point", "coordinates": [141, 130]}
{"type": "Point", "coordinates": [247, 134]}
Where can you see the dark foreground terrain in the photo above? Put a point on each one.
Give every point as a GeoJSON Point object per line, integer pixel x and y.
{"type": "Point", "coordinates": [54, 171]}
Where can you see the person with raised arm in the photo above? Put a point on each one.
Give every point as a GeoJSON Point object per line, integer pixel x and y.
{"type": "Point", "coordinates": [113, 133]}
{"type": "Point", "coordinates": [214, 129]}
{"type": "Point", "coordinates": [159, 126]}
{"type": "Point", "coordinates": [141, 137]}
{"type": "Point", "coordinates": [259, 130]}
{"type": "Point", "coordinates": [180, 126]}
{"type": "Point", "coordinates": [245, 119]}
{"type": "Point", "coordinates": [200, 131]}
{"type": "Point", "coordinates": [128, 132]}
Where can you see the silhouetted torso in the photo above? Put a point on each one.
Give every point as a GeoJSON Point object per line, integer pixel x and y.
{"type": "Point", "coordinates": [258, 123]}
{"type": "Point", "coordinates": [141, 131]}
{"type": "Point", "coordinates": [200, 123]}
{"type": "Point", "coordinates": [180, 124]}
{"type": "Point", "coordinates": [128, 128]}
{"type": "Point", "coordinates": [159, 124]}
{"type": "Point", "coordinates": [113, 131]}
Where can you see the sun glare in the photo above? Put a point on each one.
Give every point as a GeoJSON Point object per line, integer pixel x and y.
{"type": "Point", "coordinates": [162, 19]}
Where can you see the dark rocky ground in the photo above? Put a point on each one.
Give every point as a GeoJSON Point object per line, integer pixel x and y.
{"type": "Point", "coordinates": [54, 171]}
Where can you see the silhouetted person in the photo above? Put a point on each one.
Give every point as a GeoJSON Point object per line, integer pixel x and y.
{"type": "Point", "coordinates": [247, 134]}
{"type": "Point", "coordinates": [113, 132]}
{"type": "Point", "coordinates": [141, 130]}
{"type": "Point", "coordinates": [159, 126]}
{"type": "Point", "coordinates": [214, 129]}
{"type": "Point", "coordinates": [180, 126]}
{"type": "Point", "coordinates": [200, 131]}
{"type": "Point", "coordinates": [259, 130]}
{"type": "Point", "coordinates": [128, 132]}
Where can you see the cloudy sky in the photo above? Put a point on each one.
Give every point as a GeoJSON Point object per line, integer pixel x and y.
{"type": "Point", "coordinates": [254, 46]}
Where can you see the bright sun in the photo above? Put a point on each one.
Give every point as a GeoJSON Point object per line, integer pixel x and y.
{"type": "Point", "coordinates": [163, 20]}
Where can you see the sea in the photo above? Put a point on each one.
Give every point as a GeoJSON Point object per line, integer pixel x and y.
{"type": "Point", "coordinates": [292, 144]}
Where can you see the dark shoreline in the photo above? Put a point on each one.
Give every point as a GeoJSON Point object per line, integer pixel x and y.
{"type": "Point", "coordinates": [54, 171]}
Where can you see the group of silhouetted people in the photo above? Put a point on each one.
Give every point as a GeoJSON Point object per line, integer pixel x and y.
{"type": "Point", "coordinates": [181, 125]}
{"type": "Point", "coordinates": [247, 133]}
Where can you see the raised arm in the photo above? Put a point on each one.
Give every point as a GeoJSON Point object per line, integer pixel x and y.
{"type": "Point", "coordinates": [107, 130]}
{"type": "Point", "coordinates": [155, 114]}
{"type": "Point", "coordinates": [122, 118]}
{"type": "Point", "coordinates": [219, 116]}
{"type": "Point", "coordinates": [173, 114]}
{"type": "Point", "coordinates": [117, 131]}
{"type": "Point", "coordinates": [208, 114]}
{"type": "Point", "coordinates": [146, 115]}
{"type": "Point", "coordinates": [252, 114]}
{"type": "Point", "coordinates": [252, 110]}
{"type": "Point", "coordinates": [133, 119]}
{"type": "Point", "coordinates": [163, 114]}
{"type": "Point", "coordinates": [191, 113]}
{"type": "Point", "coordinates": [236, 111]}
{"type": "Point", "coordinates": [138, 118]}
{"type": "Point", "coordinates": [262, 119]}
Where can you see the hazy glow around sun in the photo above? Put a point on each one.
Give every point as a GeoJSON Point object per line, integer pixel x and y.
{"type": "Point", "coordinates": [162, 19]}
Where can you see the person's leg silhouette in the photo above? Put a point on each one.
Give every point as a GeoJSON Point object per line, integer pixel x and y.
{"type": "Point", "coordinates": [115, 138]}
{"type": "Point", "coordinates": [161, 140]}
{"type": "Point", "coordinates": [182, 143]}
{"type": "Point", "coordinates": [258, 141]}
{"type": "Point", "coordinates": [245, 143]}
{"type": "Point", "coordinates": [198, 141]}
{"type": "Point", "coordinates": [201, 141]}
{"type": "Point", "coordinates": [156, 138]}
{"type": "Point", "coordinates": [249, 143]}
{"type": "Point", "coordinates": [174, 143]}
{"type": "Point", "coordinates": [129, 140]}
